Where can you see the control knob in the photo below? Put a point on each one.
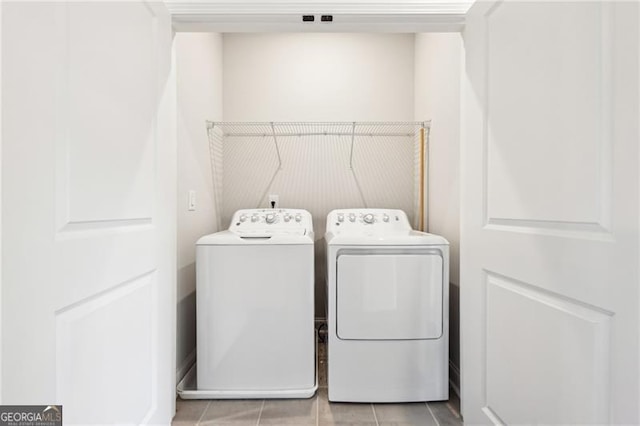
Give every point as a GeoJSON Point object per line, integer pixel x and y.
{"type": "Point", "coordinates": [254, 218]}
{"type": "Point", "coordinates": [287, 217]}
{"type": "Point", "coordinates": [270, 218]}
{"type": "Point", "coordinates": [298, 217]}
{"type": "Point", "coordinates": [368, 218]}
{"type": "Point", "coordinates": [340, 217]}
{"type": "Point", "coordinates": [385, 217]}
{"type": "Point", "coordinates": [352, 217]}
{"type": "Point", "coordinates": [243, 217]}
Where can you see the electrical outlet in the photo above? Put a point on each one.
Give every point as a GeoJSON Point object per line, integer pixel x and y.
{"type": "Point", "coordinates": [274, 201]}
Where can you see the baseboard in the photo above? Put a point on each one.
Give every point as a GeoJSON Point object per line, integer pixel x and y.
{"type": "Point", "coordinates": [186, 365]}
{"type": "Point", "coordinates": [454, 378]}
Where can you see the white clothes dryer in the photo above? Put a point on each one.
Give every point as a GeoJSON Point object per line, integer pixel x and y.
{"type": "Point", "coordinates": [388, 316]}
{"type": "Point", "coordinates": [255, 307]}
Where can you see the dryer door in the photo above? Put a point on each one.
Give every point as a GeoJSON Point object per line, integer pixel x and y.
{"type": "Point", "coordinates": [389, 295]}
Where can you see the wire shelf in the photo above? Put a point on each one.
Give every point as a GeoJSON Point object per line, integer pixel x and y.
{"type": "Point", "coordinates": [320, 165]}
{"type": "Point", "coordinates": [340, 128]}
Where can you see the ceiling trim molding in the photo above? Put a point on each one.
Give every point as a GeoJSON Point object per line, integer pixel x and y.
{"type": "Point", "coordinates": [179, 8]}
{"type": "Point", "coordinates": [283, 16]}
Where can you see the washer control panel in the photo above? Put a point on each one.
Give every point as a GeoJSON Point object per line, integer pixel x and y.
{"type": "Point", "coordinates": [267, 222]}
{"type": "Point", "coordinates": [365, 220]}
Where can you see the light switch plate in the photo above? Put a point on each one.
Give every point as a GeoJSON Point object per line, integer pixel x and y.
{"type": "Point", "coordinates": [192, 200]}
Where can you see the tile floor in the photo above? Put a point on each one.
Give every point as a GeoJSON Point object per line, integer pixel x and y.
{"type": "Point", "coordinates": [315, 411]}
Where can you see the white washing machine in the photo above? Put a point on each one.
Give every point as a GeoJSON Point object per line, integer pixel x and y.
{"type": "Point", "coordinates": [388, 319]}
{"type": "Point", "coordinates": [255, 307]}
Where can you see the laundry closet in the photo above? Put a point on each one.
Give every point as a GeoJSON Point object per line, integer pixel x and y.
{"type": "Point", "coordinates": [303, 79]}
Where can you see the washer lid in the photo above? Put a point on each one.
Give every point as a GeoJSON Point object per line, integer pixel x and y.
{"type": "Point", "coordinates": [233, 238]}
{"type": "Point", "coordinates": [389, 296]}
{"type": "Point", "coordinates": [265, 226]}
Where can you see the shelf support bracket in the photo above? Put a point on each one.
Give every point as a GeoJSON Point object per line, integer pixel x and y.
{"type": "Point", "coordinates": [275, 142]}
{"type": "Point", "coordinates": [353, 137]}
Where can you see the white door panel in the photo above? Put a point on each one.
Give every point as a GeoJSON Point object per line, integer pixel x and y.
{"type": "Point", "coordinates": [551, 344]}
{"type": "Point", "coordinates": [88, 297]}
{"type": "Point", "coordinates": [109, 65]}
{"type": "Point", "coordinates": [557, 87]}
{"type": "Point", "coordinates": [549, 287]}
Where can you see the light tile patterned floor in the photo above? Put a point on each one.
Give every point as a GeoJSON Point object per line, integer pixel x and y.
{"type": "Point", "coordinates": [315, 411]}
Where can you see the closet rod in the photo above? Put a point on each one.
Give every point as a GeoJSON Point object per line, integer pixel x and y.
{"type": "Point", "coordinates": [317, 123]}
{"type": "Point", "coordinates": [281, 135]}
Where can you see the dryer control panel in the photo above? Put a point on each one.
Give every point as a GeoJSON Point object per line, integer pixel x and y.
{"type": "Point", "coordinates": [257, 222]}
{"type": "Point", "coordinates": [383, 221]}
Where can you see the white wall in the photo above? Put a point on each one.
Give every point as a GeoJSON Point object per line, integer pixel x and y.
{"type": "Point", "coordinates": [199, 76]}
{"type": "Point", "coordinates": [438, 61]}
{"type": "Point", "coordinates": [318, 77]}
